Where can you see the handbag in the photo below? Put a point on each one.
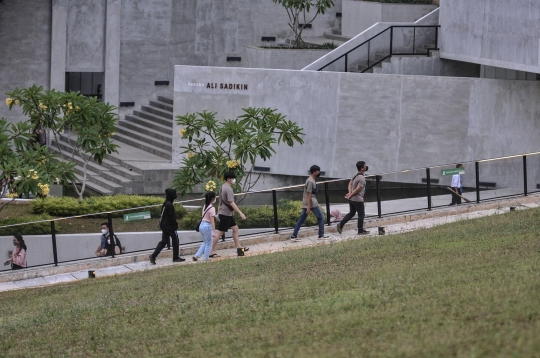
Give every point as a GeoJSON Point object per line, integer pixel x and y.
{"type": "Point", "coordinates": [199, 222]}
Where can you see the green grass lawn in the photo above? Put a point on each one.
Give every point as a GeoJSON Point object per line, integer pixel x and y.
{"type": "Point", "coordinates": [468, 289]}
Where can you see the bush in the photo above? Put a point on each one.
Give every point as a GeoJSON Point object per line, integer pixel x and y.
{"type": "Point", "coordinates": [259, 216]}
{"type": "Point", "coordinates": [66, 206]}
{"type": "Point", "coordinates": [41, 228]}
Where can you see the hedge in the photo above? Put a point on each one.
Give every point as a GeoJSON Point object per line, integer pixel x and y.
{"type": "Point", "coordinates": [259, 216]}
{"type": "Point", "coordinates": [67, 206]}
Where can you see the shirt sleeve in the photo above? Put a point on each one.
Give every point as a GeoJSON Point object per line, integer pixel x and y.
{"type": "Point", "coordinates": [309, 187]}
{"type": "Point", "coordinates": [229, 195]}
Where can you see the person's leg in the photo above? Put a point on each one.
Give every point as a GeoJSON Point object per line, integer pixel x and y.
{"type": "Point", "coordinates": [320, 219]}
{"type": "Point", "coordinates": [215, 239]}
{"type": "Point", "coordinates": [458, 198]}
{"type": "Point", "coordinates": [454, 196]}
{"type": "Point", "coordinates": [161, 244]}
{"type": "Point", "coordinates": [349, 216]}
{"type": "Point", "coordinates": [300, 222]}
{"type": "Point", "coordinates": [235, 236]}
{"type": "Point", "coordinates": [207, 242]}
{"type": "Point", "coordinates": [175, 245]}
{"type": "Point", "coordinates": [360, 209]}
{"type": "Point", "coordinates": [200, 252]}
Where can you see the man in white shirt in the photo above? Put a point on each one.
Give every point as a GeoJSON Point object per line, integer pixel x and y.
{"type": "Point", "coordinates": [456, 187]}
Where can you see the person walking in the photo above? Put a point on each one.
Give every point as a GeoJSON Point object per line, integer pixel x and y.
{"type": "Point", "coordinates": [355, 195]}
{"type": "Point", "coordinates": [310, 204]}
{"type": "Point", "coordinates": [457, 188]}
{"type": "Point", "coordinates": [18, 256]}
{"type": "Point", "coordinates": [207, 226]}
{"type": "Point", "coordinates": [226, 209]}
{"type": "Point", "coordinates": [168, 226]}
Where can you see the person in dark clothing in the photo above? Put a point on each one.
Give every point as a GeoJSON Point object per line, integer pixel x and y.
{"type": "Point", "coordinates": [168, 226]}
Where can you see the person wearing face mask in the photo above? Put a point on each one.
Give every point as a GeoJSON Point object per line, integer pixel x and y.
{"type": "Point", "coordinates": [357, 190]}
{"type": "Point", "coordinates": [310, 204]}
{"type": "Point", "coordinates": [227, 207]}
{"type": "Point", "coordinates": [168, 226]}
{"type": "Point", "coordinates": [106, 247]}
{"type": "Point", "coordinates": [18, 256]}
{"type": "Point", "coordinates": [207, 226]}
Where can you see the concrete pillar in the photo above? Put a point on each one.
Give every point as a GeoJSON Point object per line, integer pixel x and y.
{"type": "Point", "coordinates": [112, 52]}
{"type": "Point", "coordinates": [58, 45]}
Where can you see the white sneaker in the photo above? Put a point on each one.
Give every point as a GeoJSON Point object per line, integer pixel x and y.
{"type": "Point", "coordinates": [324, 237]}
{"type": "Point", "coordinates": [295, 239]}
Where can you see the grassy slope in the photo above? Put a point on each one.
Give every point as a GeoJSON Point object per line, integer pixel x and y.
{"type": "Point", "coordinates": [466, 289]}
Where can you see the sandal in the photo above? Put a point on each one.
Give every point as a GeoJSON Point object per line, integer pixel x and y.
{"type": "Point", "coordinates": [195, 258]}
{"type": "Point", "coordinates": [214, 255]}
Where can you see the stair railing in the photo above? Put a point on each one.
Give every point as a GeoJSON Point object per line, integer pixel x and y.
{"type": "Point", "coordinates": [386, 44]}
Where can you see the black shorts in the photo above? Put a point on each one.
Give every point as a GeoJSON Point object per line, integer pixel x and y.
{"type": "Point", "coordinates": [225, 223]}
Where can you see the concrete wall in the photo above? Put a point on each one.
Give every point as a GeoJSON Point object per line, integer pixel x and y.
{"type": "Point", "coordinates": [498, 73]}
{"type": "Point", "coordinates": [257, 57]}
{"type": "Point", "coordinates": [85, 36]}
{"type": "Point", "coordinates": [26, 49]}
{"type": "Point", "coordinates": [361, 15]}
{"type": "Point", "coordinates": [428, 66]}
{"type": "Point", "coordinates": [396, 122]}
{"type": "Point", "coordinates": [136, 42]}
{"type": "Point", "coordinates": [500, 33]}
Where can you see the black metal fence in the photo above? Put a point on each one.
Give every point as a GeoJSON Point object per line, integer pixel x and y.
{"type": "Point", "coordinates": [75, 238]}
{"type": "Point", "coordinates": [402, 40]}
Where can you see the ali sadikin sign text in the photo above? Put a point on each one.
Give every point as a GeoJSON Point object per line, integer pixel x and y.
{"type": "Point", "coordinates": [221, 86]}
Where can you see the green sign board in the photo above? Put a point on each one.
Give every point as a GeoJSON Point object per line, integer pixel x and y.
{"type": "Point", "coordinates": [447, 172]}
{"type": "Point", "coordinates": [137, 216]}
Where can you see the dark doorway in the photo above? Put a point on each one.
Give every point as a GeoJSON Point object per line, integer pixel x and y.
{"type": "Point", "coordinates": [88, 83]}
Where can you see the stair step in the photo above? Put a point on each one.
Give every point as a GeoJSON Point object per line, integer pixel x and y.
{"type": "Point", "coordinates": [95, 187]}
{"type": "Point", "coordinates": [165, 99]}
{"type": "Point", "coordinates": [157, 111]}
{"type": "Point", "coordinates": [147, 124]}
{"type": "Point", "coordinates": [154, 118]}
{"type": "Point", "coordinates": [167, 154]}
{"type": "Point", "coordinates": [145, 137]}
{"type": "Point", "coordinates": [162, 105]}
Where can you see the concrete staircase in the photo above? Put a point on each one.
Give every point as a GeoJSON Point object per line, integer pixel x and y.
{"type": "Point", "coordinates": [143, 162]}
{"type": "Point", "coordinates": [149, 128]}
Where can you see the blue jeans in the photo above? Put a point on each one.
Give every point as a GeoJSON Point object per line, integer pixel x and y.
{"type": "Point", "coordinates": [206, 231]}
{"type": "Point", "coordinates": [320, 221]}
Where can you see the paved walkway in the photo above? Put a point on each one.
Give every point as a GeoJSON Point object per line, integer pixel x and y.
{"type": "Point", "coordinates": [261, 244]}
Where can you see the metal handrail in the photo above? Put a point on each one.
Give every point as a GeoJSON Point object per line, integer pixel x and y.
{"type": "Point", "coordinates": [391, 29]}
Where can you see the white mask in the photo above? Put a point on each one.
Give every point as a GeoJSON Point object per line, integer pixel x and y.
{"type": "Point", "coordinates": [103, 231]}
{"type": "Point", "coordinates": [233, 181]}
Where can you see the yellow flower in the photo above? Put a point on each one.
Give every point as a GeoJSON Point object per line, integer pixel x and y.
{"type": "Point", "coordinates": [210, 186]}
{"type": "Point", "coordinates": [232, 163]}
{"type": "Point", "coordinates": [9, 101]}
{"type": "Point", "coordinates": [190, 155]}
{"type": "Point", "coordinates": [16, 102]}
{"type": "Point", "coordinates": [42, 106]}
{"type": "Point", "coordinates": [35, 176]}
{"type": "Point", "coordinates": [182, 132]}
{"type": "Point", "coordinates": [12, 195]}
{"type": "Point", "coordinates": [44, 189]}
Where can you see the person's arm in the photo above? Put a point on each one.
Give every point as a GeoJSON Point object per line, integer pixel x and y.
{"type": "Point", "coordinates": [212, 222]}
{"type": "Point", "coordinates": [103, 241]}
{"type": "Point", "coordinates": [235, 208]}
{"type": "Point", "coordinates": [20, 258]}
{"type": "Point", "coordinates": [349, 187]}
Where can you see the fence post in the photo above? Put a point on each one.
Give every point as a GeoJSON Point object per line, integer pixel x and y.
{"type": "Point", "coordinates": [327, 197]}
{"type": "Point", "coordinates": [53, 235]}
{"type": "Point", "coordinates": [391, 38]}
{"type": "Point", "coordinates": [525, 175]}
{"type": "Point", "coordinates": [274, 202]}
{"type": "Point", "coordinates": [111, 231]}
{"type": "Point", "coordinates": [377, 183]}
{"type": "Point", "coordinates": [477, 170]}
{"type": "Point", "coordinates": [346, 65]}
{"type": "Point", "coordinates": [428, 176]}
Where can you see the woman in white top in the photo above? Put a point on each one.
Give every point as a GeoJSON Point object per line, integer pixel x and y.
{"type": "Point", "coordinates": [207, 226]}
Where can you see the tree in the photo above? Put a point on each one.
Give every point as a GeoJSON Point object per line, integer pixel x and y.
{"type": "Point", "coordinates": [232, 145]}
{"type": "Point", "coordinates": [32, 167]}
{"type": "Point", "coordinates": [298, 11]}
{"type": "Point", "coordinates": [84, 124]}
